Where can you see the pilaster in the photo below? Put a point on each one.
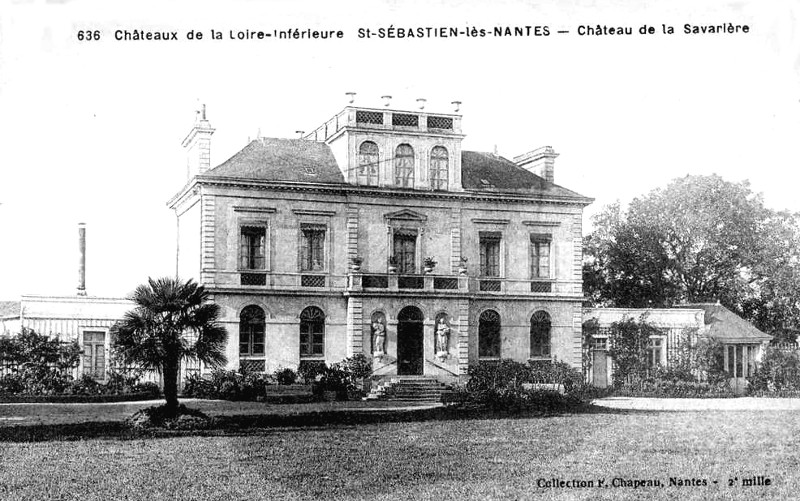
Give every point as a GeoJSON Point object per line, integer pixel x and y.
{"type": "Point", "coordinates": [207, 239]}
{"type": "Point", "coordinates": [455, 240]}
{"type": "Point", "coordinates": [463, 336]}
{"type": "Point", "coordinates": [355, 326]}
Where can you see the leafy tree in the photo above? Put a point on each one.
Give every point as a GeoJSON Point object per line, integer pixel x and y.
{"type": "Point", "coordinates": [700, 239]}
{"type": "Point", "coordinates": [172, 322]}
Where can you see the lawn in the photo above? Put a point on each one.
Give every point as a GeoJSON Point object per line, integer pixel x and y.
{"type": "Point", "coordinates": [432, 458]}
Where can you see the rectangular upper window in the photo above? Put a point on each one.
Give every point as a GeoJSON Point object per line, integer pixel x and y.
{"type": "Point", "coordinates": [540, 255]}
{"type": "Point", "coordinates": [490, 253]}
{"type": "Point", "coordinates": [405, 250]}
{"type": "Point", "coordinates": [312, 248]}
{"type": "Point", "coordinates": [252, 252]}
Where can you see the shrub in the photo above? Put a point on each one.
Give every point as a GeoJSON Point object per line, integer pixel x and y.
{"type": "Point", "coordinates": [505, 385]}
{"type": "Point", "coordinates": [182, 418]}
{"type": "Point", "coordinates": [11, 384]}
{"type": "Point", "coordinates": [779, 371]}
{"type": "Point", "coordinates": [86, 385]}
{"type": "Point", "coordinates": [334, 379]}
{"type": "Point", "coordinates": [359, 366]}
{"type": "Point", "coordinates": [310, 370]}
{"type": "Point", "coordinates": [227, 385]}
{"type": "Point", "coordinates": [285, 376]}
{"type": "Point", "coordinates": [676, 389]}
{"type": "Point", "coordinates": [710, 360]}
{"type": "Point", "coordinates": [196, 386]}
{"type": "Point", "coordinates": [147, 387]}
{"type": "Point", "coordinates": [41, 365]}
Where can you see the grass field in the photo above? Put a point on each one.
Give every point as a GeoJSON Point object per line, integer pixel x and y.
{"type": "Point", "coordinates": [453, 458]}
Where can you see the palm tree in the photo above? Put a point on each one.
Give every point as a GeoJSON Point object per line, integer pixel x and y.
{"type": "Point", "coordinates": [172, 322]}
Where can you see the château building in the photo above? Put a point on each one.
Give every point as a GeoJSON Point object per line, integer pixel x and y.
{"type": "Point", "coordinates": [377, 234]}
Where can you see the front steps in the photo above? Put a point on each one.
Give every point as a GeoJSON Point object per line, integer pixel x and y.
{"type": "Point", "coordinates": [417, 389]}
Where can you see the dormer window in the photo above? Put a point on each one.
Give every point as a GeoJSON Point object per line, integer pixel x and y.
{"type": "Point", "coordinates": [438, 167]}
{"type": "Point", "coordinates": [368, 164]}
{"type": "Point", "coordinates": [404, 166]}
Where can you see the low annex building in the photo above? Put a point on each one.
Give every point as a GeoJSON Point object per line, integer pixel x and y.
{"type": "Point", "coordinates": [377, 234]}
{"type": "Point", "coordinates": [743, 344]}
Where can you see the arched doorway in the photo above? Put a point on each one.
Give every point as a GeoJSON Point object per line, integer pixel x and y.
{"type": "Point", "coordinates": [409, 341]}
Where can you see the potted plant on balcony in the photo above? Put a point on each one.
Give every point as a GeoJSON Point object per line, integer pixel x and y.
{"type": "Point", "coordinates": [429, 264]}
{"type": "Point", "coordinates": [462, 266]}
{"type": "Point", "coordinates": [392, 264]}
{"type": "Point", "coordinates": [355, 263]}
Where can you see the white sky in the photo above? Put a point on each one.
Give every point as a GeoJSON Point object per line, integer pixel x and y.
{"type": "Point", "coordinates": [91, 131]}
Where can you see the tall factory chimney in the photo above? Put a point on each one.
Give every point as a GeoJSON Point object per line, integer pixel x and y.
{"type": "Point", "coordinates": [81, 259]}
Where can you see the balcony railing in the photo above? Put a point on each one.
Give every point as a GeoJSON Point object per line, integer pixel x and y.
{"type": "Point", "coordinates": [391, 281]}
{"type": "Point", "coordinates": [387, 120]}
{"type": "Point", "coordinates": [314, 281]}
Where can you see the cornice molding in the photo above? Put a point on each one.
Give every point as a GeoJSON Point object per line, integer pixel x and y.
{"type": "Point", "coordinates": [485, 220]}
{"type": "Point", "coordinates": [312, 212]}
{"type": "Point", "coordinates": [372, 191]}
{"type": "Point", "coordinates": [542, 223]}
{"type": "Point", "coordinates": [261, 210]}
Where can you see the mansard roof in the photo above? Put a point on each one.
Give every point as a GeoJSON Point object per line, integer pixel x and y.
{"type": "Point", "coordinates": [302, 160]}
{"type": "Point", "coordinates": [490, 172]}
{"type": "Point", "coordinates": [272, 159]}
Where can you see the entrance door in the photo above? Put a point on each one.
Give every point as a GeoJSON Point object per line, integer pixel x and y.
{"type": "Point", "coordinates": [409, 341]}
{"type": "Point", "coordinates": [599, 368]}
{"type": "Point", "coordinates": [740, 364]}
{"type": "Point", "coordinates": [600, 362]}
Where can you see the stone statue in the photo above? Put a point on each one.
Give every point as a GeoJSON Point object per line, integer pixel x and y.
{"type": "Point", "coordinates": [442, 337]}
{"type": "Point", "coordinates": [378, 337]}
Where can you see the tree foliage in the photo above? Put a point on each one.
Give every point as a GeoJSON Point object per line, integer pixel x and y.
{"type": "Point", "coordinates": [699, 239]}
{"type": "Point", "coordinates": [172, 322]}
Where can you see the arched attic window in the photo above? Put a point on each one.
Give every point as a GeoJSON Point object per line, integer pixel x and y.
{"type": "Point", "coordinates": [368, 163]}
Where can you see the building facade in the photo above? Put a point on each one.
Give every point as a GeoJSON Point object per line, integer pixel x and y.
{"type": "Point", "coordinates": [377, 234]}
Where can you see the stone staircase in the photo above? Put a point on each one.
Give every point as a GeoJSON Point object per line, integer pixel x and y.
{"type": "Point", "coordinates": [417, 389]}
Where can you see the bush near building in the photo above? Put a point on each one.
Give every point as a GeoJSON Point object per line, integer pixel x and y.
{"type": "Point", "coordinates": [511, 386]}
{"type": "Point", "coordinates": [344, 378]}
{"type": "Point", "coordinates": [777, 374]}
{"type": "Point", "coordinates": [37, 367]}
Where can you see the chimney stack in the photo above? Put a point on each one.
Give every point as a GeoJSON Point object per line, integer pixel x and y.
{"type": "Point", "coordinates": [540, 161]}
{"type": "Point", "coordinates": [81, 259]}
{"type": "Point", "coordinates": [198, 145]}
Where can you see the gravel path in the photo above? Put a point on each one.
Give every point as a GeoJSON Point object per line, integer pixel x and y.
{"type": "Point", "coordinates": [700, 404]}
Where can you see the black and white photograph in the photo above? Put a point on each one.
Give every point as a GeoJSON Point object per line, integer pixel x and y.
{"type": "Point", "coordinates": [396, 249]}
